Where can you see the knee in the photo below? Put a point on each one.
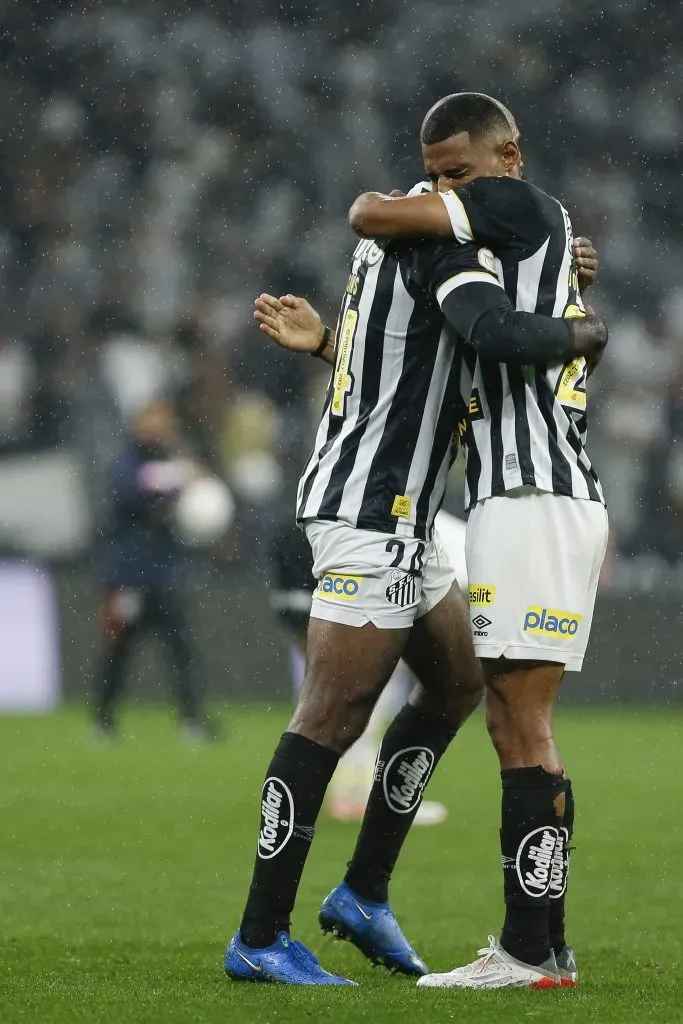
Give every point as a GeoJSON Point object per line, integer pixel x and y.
{"type": "Point", "coordinates": [513, 729]}
{"type": "Point", "coordinates": [335, 720]}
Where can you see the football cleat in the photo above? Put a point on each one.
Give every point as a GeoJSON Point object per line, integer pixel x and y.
{"type": "Point", "coordinates": [372, 928]}
{"type": "Point", "coordinates": [567, 969]}
{"type": "Point", "coordinates": [286, 961]}
{"type": "Point", "coordinates": [496, 969]}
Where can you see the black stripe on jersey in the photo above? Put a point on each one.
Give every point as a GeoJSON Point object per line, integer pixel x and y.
{"type": "Point", "coordinates": [559, 464]}
{"type": "Point", "coordinates": [468, 356]}
{"type": "Point", "coordinates": [522, 434]}
{"type": "Point", "coordinates": [409, 403]}
{"type": "Point", "coordinates": [369, 390]}
{"type": "Point", "coordinates": [589, 475]}
{"type": "Point", "coordinates": [443, 438]}
{"type": "Point", "coordinates": [492, 380]}
{"type": "Point", "coordinates": [552, 264]}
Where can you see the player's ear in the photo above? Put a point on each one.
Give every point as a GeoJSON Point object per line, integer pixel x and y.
{"type": "Point", "coordinates": [512, 158]}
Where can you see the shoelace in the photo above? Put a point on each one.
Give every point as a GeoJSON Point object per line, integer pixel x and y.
{"type": "Point", "coordinates": [487, 954]}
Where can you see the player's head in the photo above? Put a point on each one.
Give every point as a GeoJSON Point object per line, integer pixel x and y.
{"type": "Point", "coordinates": [469, 135]}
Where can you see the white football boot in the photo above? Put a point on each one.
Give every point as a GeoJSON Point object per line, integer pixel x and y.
{"type": "Point", "coordinates": [496, 969]}
{"type": "Point", "coordinates": [567, 969]}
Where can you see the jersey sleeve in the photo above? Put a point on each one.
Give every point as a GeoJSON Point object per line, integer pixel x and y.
{"type": "Point", "coordinates": [456, 265]}
{"type": "Point", "coordinates": [495, 211]}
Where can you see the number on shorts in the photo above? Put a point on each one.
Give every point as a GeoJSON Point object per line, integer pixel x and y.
{"type": "Point", "coordinates": [343, 379]}
{"type": "Point", "coordinates": [416, 559]}
{"type": "Point", "coordinates": [398, 546]}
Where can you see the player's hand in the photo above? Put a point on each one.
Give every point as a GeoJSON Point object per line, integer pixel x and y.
{"type": "Point", "coordinates": [587, 261]}
{"type": "Point", "coordinates": [290, 321]}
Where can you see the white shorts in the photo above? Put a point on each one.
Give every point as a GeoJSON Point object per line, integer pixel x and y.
{"type": "Point", "coordinates": [533, 561]}
{"type": "Point", "coordinates": [366, 576]}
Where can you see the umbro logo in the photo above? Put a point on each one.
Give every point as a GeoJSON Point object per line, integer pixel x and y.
{"type": "Point", "coordinates": [480, 623]}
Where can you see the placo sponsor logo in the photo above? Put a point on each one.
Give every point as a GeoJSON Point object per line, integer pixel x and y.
{"type": "Point", "coordinates": [551, 622]}
{"type": "Point", "coordinates": [277, 818]}
{"type": "Point", "coordinates": [345, 588]}
{"type": "Point", "coordinates": [534, 860]}
{"type": "Point", "coordinates": [482, 594]}
{"type": "Point", "coordinates": [405, 776]}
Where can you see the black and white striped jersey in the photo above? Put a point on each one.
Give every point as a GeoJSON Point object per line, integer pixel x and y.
{"type": "Point", "coordinates": [525, 425]}
{"type": "Point", "coordinates": [383, 448]}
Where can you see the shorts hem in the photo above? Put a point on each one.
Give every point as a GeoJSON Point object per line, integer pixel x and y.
{"type": "Point", "coordinates": [357, 618]}
{"type": "Point", "coordinates": [519, 652]}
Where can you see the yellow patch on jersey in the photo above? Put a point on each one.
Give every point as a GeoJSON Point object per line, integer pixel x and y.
{"type": "Point", "coordinates": [402, 506]}
{"type": "Point", "coordinates": [482, 594]}
{"type": "Point", "coordinates": [573, 311]}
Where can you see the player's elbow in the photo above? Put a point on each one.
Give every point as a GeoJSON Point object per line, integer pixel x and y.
{"type": "Point", "coordinates": [361, 215]}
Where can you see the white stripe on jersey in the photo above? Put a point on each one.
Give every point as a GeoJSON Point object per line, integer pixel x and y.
{"type": "Point", "coordinates": [562, 290]}
{"type": "Point", "coordinates": [466, 277]}
{"type": "Point", "coordinates": [460, 222]}
{"type": "Point", "coordinates": [395, 331]}
{"type": "Point", "coordinates": [529, 278]}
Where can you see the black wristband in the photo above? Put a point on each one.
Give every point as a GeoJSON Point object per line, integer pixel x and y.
{"type": "Point", "coordinates": [317, 352]}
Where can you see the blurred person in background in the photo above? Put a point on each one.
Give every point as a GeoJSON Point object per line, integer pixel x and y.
{"type": "Point", "coordinates": [143, 569]}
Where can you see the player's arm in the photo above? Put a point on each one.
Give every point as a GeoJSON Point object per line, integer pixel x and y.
{"type": "Point", "coordinates": [477, 306]}
{"type": "Point", "coordinates": [375, 215]}
{"type": "Point", "coordinates": [293, 324]}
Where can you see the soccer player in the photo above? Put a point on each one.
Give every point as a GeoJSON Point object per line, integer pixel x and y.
{"type": "Point", "coordinates": [144, 568]}
{"type": "Point", "coordinates": [537, 527]}
{"type": "Point", "coordinates": [291, 596]}
{"type": "Point", "coordinates": [367, 499]}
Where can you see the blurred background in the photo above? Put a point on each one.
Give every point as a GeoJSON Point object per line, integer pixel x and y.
{"type": "Point", "coordinates": [161, 163]}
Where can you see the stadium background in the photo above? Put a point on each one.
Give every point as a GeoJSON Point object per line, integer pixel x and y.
{"type": "Point", "coordinates": [162, 163]}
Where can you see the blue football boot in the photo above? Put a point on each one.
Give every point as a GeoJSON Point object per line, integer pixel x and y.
{"type": "Point", "coordinates": [286, 961]}
{"type": "Point", "coordinates": [372, 928]}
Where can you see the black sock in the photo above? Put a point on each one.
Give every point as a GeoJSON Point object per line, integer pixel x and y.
{"type": "Point", "coordinates": [291, 799]}
{"type": "Point", "coordinates": [532, 810]}
{"type": "Point", "coordinates": [411, 748]}
{"type": "Point", "coordinates": [558, 884]}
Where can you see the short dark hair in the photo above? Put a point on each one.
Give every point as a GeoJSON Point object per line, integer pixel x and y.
{"type": "Point", "coordinates": [471, 112]}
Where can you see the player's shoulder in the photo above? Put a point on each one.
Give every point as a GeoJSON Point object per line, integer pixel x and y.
{"type": "Point", "coordinates": [508, 204]}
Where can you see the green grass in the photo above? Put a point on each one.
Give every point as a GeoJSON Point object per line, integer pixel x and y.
{"type": "Point", "coordinates": [123, 872]}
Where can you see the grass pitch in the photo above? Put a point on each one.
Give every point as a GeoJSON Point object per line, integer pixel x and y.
{"type": "Point", "coordinates": [123, 871]}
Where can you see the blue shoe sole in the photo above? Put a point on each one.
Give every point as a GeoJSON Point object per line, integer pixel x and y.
{"type": "Point", "coordinates": [342, 932]}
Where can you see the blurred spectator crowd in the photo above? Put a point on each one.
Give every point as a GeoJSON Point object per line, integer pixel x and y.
{"type": "Point", "coordinates": [161, 163]}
